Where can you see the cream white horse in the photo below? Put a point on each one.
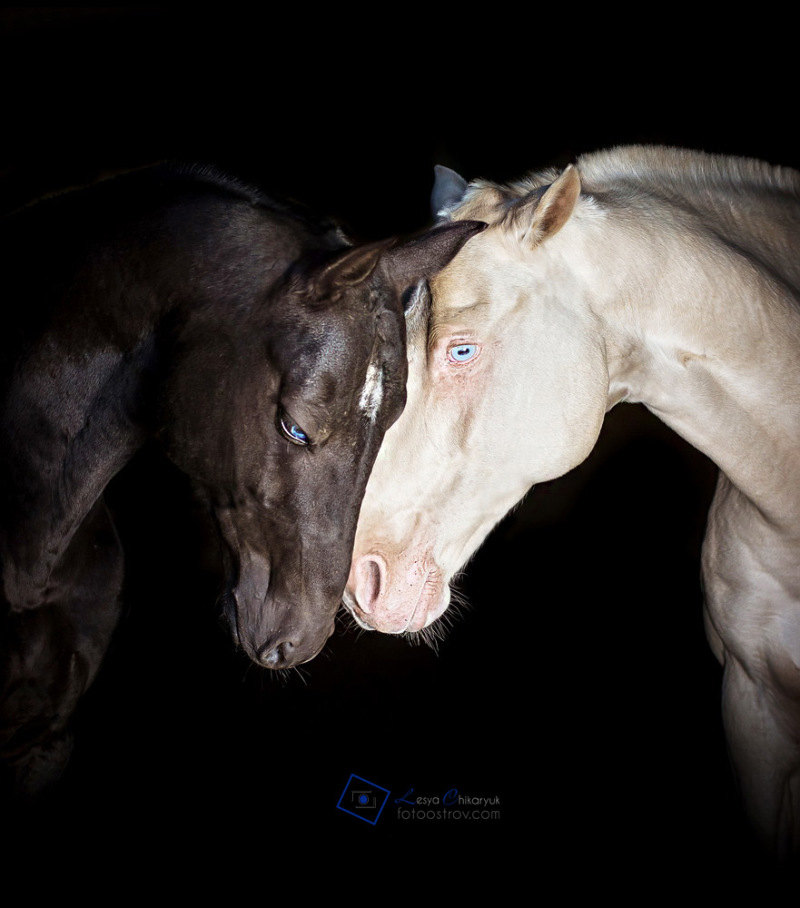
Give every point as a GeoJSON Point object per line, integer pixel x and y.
{"type": "Point", "coordinates": [652, 275]}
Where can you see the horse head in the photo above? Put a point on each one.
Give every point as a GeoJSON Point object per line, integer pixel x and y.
{"type": "Point", "coordinates": [507, 387]}
{"type": "Point", "coordinates": [278, 415]}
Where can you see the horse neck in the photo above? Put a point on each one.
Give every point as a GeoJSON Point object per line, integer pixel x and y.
{"type": "Point", "coordinates": [704, 331]}
{"type": "Point", "coordinates": [70, 422]}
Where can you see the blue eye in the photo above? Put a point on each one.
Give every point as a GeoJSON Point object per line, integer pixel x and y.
{"type": "Point", "coordinates": [462, 353]}
{"type": "Point", "coordinates": [291, 430]}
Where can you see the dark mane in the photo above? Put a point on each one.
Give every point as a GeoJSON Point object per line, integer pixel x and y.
{"type": "Point", "coordinates": [196, 173]}
{"type": "Point", "coordinates": [212, 175]}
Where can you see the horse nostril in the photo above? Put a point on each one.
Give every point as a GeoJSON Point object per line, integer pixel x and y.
{"type": "Point", "coordinates": [370, 572]}
{"type": "Point", "coordinates": [278, 655]}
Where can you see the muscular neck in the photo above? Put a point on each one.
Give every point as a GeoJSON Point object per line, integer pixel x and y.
{"type": "Point", "coordinates": [710, 346]}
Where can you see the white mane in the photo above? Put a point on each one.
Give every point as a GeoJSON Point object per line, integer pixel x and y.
{"type": "Point", "coordinates": [750, 203]}
{"type": "Point", "coordinates": [666, 169]}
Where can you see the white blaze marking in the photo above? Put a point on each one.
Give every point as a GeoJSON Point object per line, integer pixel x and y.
{"type": "Point", "coordinates": [372, 392]}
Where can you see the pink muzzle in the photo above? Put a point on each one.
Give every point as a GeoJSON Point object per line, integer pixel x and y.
{"type": "Point", "coordinates": [397, 595]}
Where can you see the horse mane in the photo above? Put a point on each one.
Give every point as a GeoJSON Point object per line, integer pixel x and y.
{"type": "Point", "coordinates": [640, 178]}
{"type": "Point", "coordinates": [214, 177]}
{"type": "Point", "coordinates": [195, 173]}
{"type": "Point", "coordinates": [624, 171]}
{"type": "Point", "coordinates": [670, 169]}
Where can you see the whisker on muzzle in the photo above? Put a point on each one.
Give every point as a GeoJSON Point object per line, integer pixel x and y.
{"type": "Point", "coordinates": [434, 634]}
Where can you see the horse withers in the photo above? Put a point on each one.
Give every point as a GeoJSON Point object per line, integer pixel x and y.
{"type": "Point", "coordinates": [665, 277]}
{"type": "Point", "coordinates": [261, 350]}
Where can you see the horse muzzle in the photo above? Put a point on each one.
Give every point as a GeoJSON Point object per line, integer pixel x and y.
{"type": "Point", "coordinates": [278, 642]}
{"type": "Point", "coordinates": [289, 650]}
{"type": "Point", "coordinates": [274, 630]}
{"type": "Point", "coordinates": [396, 595]}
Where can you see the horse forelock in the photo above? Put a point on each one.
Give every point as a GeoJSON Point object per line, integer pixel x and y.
{"type": "Point", "coordinates": [483, 201]}
{"type": "Point", "coordinates": [493, 202]}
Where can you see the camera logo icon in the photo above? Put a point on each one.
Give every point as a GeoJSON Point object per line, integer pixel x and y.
{"type": "Point", "coordinates": [363, 799]}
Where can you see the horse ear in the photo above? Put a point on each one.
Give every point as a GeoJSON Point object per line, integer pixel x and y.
{"type": "Point", "coordinates": [423, 256]}
{"type": "Point", "coordinates": [350, 267]}
{"type": "Point", "coordinates": [448, 190]}
{"type": "Point", "coordinates": [544, 212]}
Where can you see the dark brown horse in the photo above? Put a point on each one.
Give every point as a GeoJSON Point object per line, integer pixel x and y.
{"type": "Point", "coordinates": [262, 351]}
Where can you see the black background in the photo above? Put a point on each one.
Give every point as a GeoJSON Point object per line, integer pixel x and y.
{"type": "Point", "coordinates": [577, 688]}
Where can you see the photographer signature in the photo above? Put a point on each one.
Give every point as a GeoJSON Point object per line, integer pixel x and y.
{"type": "Point", "coordinates": [449, 798]}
